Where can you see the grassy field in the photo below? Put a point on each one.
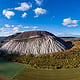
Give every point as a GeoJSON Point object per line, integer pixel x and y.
{"type": "Point", "coordinates": [10, 69]}
{"type": "Point", "coordinates": [20, 72]}
{"type": "Point", "coordinates": [60, 74]}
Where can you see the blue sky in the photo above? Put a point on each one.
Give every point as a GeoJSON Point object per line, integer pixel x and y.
{"type": "Point", "coordinates": [60, 17]}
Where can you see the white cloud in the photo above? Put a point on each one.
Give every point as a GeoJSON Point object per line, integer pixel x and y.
{"type": "Point", "coordinates": [24, 15]}
{"type": "Point", "coordinates": [67, 34]}
{"type": "Point", "coordinates": [12, 25]}
{"type": "Point", "coordinates": [6, 33]}
{"type": "Point", "coordinates": [31, 27]}
{"type": "Point", "coordinates": [2, 29]}
{"type": "Point", "coordinates": [64, 34]}
{"type": "Point", "coordinates": [20, 25]}
{"type": "Point", "coordinates": [39, 11]}
{"type": "Point", "coordinates": [7, 25]}
{"type": "Point", "coordinates": [27, 27]}
{"type": "Point", "coordinates": [8, 13]}
{"type": "Point", "coordinates": [16, 29]}
{"type": "Point", "coordinates": [24, 6]}
{"type": "Point", "coordinates": [12, 29]}
{"type": "Point", "coordinates": [70, 23]}
{"type": "Point", "coordinates": [35, 27]}
{"type": "Point", "coordinates": [39, 2]}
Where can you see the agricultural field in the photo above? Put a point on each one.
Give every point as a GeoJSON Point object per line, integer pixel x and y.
{"type": "Point", "coordinates": [58, 74]}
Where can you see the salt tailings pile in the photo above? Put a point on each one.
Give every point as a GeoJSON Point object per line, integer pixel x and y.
{"type": "Point", "coordinates": [35, 42]}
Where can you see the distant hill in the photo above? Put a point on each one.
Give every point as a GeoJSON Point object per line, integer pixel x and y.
{"type": "Point", "coordinates": [68, 37]}
{"type": "Point", "coordinates": [71, 38]}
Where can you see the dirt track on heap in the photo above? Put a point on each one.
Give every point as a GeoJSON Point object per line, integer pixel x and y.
{"type": "Point", "coordinates": [3, 78]}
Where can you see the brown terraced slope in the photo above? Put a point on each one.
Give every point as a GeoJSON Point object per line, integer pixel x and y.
{"type": "Point", "coordinates": [35, 42]}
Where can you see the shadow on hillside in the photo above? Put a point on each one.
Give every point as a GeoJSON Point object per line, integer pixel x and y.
{"type": "Point", "coordinates": [69, 44]}
{"type": "Point", "coordinates": [7, 57]}
{"type": "Point", "coordinates": [2, 60]}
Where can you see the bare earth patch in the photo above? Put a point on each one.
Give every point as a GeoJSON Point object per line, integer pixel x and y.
{"type": "Point", "coordinates": [3, 78]}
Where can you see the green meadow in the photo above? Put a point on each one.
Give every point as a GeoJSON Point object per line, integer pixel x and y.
{"type": "Point", "coordinates": [10, 69]}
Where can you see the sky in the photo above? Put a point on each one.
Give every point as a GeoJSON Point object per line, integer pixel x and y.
{"type": "Point", "coordinates": [60, 17]}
